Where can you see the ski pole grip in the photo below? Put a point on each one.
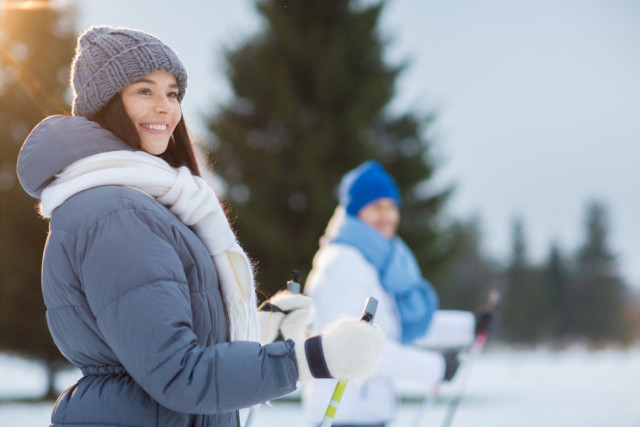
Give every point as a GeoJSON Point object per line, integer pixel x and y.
{"type": "Point", "coordinates": [293, 285]}
{"type": "Point", "coordinates": [369, 311]}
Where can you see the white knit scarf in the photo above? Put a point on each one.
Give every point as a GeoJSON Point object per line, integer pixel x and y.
{"type": "Point", "coordinates": [191, 199]}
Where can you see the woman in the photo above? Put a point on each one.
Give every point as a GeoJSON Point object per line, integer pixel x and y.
{"type": "Point", "coordinates": [360, 254]}
{"type": "Point", "coordinates": [147, 290]}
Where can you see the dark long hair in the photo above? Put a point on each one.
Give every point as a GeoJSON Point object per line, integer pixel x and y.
{"type": "Point", "coordinates": [179, 152]}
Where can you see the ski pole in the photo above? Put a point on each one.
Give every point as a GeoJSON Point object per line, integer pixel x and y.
{"type": "Point", "coordinates": [367, 316]}
{"type": "Point", "coordinates": [476, 349]}
{"type": "Point", "coordinates": [294, 288]}
{"type": "Point", "coordinates": [428, 402]}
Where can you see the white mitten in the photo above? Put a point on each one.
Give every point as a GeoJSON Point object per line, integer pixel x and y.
{"type": "Point", "coordinates": [347, 349]}
{"type": "Point", "coordinates": [285, 314]}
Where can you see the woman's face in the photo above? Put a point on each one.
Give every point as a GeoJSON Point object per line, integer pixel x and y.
{"type": "Point", "coordinates": [152, 105]}
{"type": "Point", "coordinates": [383, 215]}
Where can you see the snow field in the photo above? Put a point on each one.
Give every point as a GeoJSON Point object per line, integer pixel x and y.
{"type": "Point", "coordinates": [524, 388]}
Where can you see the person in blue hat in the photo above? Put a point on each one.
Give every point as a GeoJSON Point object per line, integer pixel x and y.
{"type": "Point", "coordinates": [361, 255]}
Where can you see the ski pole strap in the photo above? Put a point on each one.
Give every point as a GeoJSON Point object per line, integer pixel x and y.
{"type": "Point", "coordinates": [315, 357]}
{"type": "Point", "coordinates": [267, 306]}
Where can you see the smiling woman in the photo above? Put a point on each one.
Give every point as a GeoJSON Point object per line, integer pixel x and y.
{"type": "Point", "coordinates": [152, 105]}
{"type": "Point", "coordinates": [147, 290]}
{"type": "Point", "coordinates": [149, 93]}
{"type": "Point", "coordinates": [360, 254]}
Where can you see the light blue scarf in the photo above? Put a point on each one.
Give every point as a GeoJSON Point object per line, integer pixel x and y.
{"type": "Point", "coordinates": [399, 274]}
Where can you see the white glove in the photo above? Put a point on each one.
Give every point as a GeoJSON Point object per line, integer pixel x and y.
{"type": "Point", "coordinates": [287, 314]}
{"type": "Point", "coordinates": [348, 349]}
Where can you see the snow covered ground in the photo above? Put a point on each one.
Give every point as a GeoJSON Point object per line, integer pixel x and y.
{"type": "Point", "coordinates": [572, 387]}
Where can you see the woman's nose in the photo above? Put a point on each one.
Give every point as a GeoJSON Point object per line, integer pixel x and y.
{"type": "Point", "coordinates": [162, 104]}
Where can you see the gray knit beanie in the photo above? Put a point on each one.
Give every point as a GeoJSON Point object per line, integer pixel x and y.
{"type": "Point", "coordinates": [109, 59]}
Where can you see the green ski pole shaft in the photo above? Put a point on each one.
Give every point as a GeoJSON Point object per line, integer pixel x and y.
{"type": "Point", "coordinates": [367, 316]}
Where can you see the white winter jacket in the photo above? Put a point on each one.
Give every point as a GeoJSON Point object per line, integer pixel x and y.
{"type": "Point", "coordinates": [340, 282]}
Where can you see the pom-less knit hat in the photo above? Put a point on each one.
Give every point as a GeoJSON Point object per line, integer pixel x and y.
{"type": "Point", "coordinates": [365, 184]}
{"type": "Point", "coordinates": [109, 59]}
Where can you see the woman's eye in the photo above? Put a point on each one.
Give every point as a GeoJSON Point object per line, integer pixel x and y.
{"type": "Point", "coordinates": [144, 91]}
{"type": "Point", "coordinates": [173, 95]}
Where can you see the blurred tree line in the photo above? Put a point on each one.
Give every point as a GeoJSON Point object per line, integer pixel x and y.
{"type": "Point", "coordinates": [567, 297]}
{"type": "Point", "coordinates": [311, 95]}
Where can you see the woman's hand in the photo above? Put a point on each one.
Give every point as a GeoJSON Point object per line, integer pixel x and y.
{"type": "Point", "coordinates": [285, 315]}
{"type": "Point", "coordinates": [346, 349]}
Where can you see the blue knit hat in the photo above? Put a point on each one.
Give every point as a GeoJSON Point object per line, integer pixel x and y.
{"type": "Point", "coordinates": [109, 59]}
{"type": "Point", "coordinates": [365, 184]}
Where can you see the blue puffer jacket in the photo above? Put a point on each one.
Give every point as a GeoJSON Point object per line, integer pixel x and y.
{"type": "Point", "coordinates": [133, 299]}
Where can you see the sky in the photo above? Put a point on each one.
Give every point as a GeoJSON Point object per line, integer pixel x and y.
{"type": "Point", "coordinates": [536, 102]}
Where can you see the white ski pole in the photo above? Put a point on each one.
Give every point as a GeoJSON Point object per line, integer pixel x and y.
{"type": "Point", "coordinates": [294, 288]}
{"type": "Point", "coordinates": [427, 403]}
{"type": "Point", "coordinates": [367, 316]}
{"type": "Point", "coordinates": [476, 349]}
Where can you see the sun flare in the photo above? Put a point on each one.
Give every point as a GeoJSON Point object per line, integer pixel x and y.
{"type": "Point", "coordinates": [28, 5]}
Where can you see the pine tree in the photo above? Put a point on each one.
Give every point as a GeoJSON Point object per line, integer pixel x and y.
{"type": "Point", "coordinates": [557, 322]}
{"type": "Point", "coordinates": [599, 290]}
{"type": "Point", "coordinates": [311, 92]}
{"type": "Point", "coordinates": [522, 297]}
{"type": "Point", "coordinates": [36, 48]}
{"type": "Point", "coordinates": [470, 277]}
